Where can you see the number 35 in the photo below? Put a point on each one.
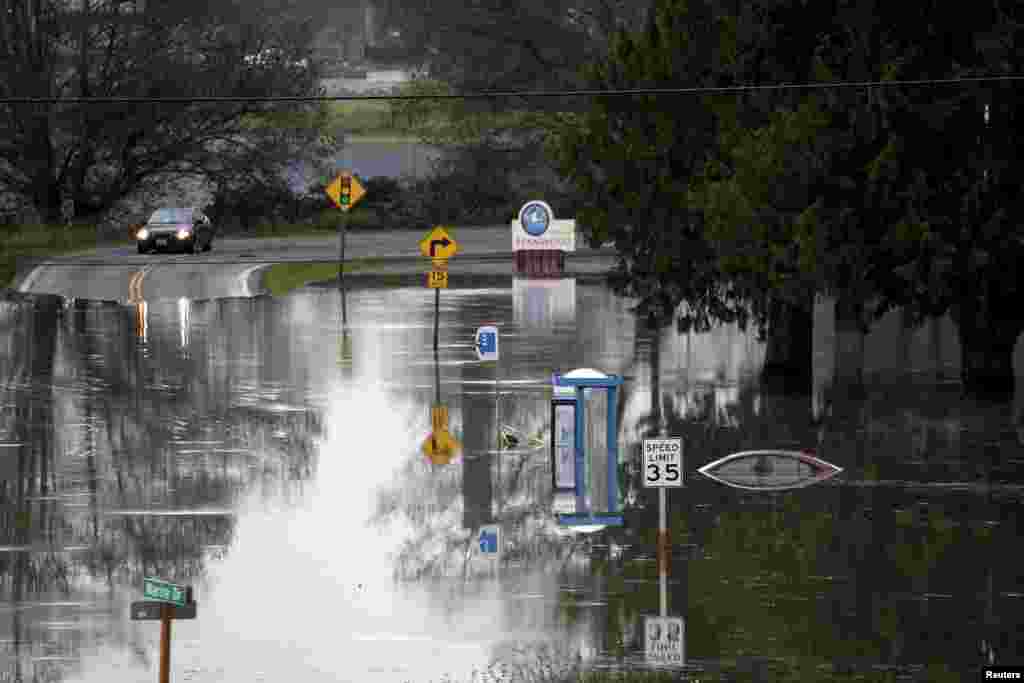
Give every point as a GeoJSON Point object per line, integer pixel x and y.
{"type": "Point", "coordinates": [654, 472]}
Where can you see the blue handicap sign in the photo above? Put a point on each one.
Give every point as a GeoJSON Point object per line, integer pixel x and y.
{"type": "Point", "coordinates": [489, 540]}
{"type": "Point", "coordinates": [487, 342]}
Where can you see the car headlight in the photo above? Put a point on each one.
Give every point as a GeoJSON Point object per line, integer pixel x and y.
{"type": "Point", "coordinates": [142, 234]}
{"type": "Point", "coordinates": [184, 234]}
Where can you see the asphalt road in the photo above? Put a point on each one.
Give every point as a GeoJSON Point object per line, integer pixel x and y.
{"type": "Point", "coordinates": [233, 267]}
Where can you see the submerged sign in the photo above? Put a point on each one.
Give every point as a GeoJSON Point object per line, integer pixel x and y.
{"type": "Point", "coordinates": [663, 640]}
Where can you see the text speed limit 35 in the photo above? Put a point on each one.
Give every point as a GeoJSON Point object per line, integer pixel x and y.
{"type": "Point", "coordinates": [663, 462]}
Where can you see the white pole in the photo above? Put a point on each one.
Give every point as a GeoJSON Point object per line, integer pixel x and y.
{"type": "Point", "coordinates": [662, 552]}
{"type": "Point", "coordinates": [497, 416]}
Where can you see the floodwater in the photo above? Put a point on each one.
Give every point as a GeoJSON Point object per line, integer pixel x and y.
{"type": "Point", "coordinates": [254, 450]}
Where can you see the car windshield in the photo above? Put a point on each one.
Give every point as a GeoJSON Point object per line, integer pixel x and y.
{"type": "Point", "coordinates": [171, 216]}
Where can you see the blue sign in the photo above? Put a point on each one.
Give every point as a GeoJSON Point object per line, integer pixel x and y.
{"type": "Point", "coordinates": [487, 343]}
{"type": "Point", "coordinates": [489, 539]}
{"type": "Point", "coordinates": [535, 217]}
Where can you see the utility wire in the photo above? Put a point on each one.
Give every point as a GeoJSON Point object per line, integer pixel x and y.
{"type": "Point", "coordinates": [499, 94]}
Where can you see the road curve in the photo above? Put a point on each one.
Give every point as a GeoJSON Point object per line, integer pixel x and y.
{"type": "Point", "coordinates": [232, 269]}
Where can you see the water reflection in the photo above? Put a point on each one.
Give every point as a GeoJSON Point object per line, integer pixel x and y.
{"type": "Point", "coordinates": [184, 324]}
{"type": "Point", "coordinates": [251, 464]}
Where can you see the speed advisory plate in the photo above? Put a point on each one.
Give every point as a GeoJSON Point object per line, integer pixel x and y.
{"type": "Point", "coordinates": [663, 463]}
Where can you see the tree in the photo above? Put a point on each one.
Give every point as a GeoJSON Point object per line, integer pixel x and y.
{"type": "Point", "coordinates": [963, 239]}
{"type": "Point", "coordinates": [99, 154]}
{"type": "Point", "coordinates": [637, 162]}
{"type": "Point", "coordinates": [492, 44]}
{"type": "Point", "coordinates": [870, 206]}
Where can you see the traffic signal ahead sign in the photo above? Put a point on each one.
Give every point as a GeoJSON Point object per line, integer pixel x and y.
{"type": "Point", "coordinates": [346, 191]}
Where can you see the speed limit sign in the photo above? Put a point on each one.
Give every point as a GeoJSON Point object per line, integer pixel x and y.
{"type": "Point", "coordinates": [663, 463]}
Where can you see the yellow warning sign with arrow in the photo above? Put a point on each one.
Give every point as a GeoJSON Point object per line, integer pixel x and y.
{"type": "Point", "coordinates": [438, 244]}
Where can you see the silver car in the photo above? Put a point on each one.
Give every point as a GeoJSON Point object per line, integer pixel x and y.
{"type": "Point", "coordinates": [176, 229]}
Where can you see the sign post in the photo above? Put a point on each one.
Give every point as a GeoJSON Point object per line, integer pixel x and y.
{"type": "Point", "coordinates": [345, 191]}
{"type": "Point", "coordinates": [663, 468]}
{"type": "Point", "coordinates": [164, 601]}
{"type": "Point", "coordinates": [165, 643]}
{"type": "Point", "coordinates": [440, 446]}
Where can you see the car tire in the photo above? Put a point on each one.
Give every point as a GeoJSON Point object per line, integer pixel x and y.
{"type": "Point", "coordinates": [142, 249]}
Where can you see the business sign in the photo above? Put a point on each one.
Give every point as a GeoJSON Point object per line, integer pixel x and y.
{"type": "Point", "coordinates": [663, 463]}
{"type": "Point", "coordinates": [536, 228]}
{"type": "Point", "coordinates": [487, 342]}
{"type": "Point", "coordinates": [563, 445]}
{"type": "Point", "coordinates": [490, 539]}
{"type": "Point", "coordinates": [664, 639]}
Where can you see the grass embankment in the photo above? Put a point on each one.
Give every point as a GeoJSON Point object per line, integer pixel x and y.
{"type": "Point", "coordinates": [281, 278]}
{"type": "Point", "coordinates": [389, 121]}
{"type": "Point", "coordinates": [36, 241]}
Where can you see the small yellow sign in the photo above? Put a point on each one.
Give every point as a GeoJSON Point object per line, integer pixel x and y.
{"type": "Point", "coordinates": [437, 279]}
{"type": "Point", "coordinates": [438, 244]}
{"type": "Point", "coordinates": [345, 190]}
{"type": "Point", "coordinates": [440, 447]}
{"type": "Point", "coordinates": [439, 417]}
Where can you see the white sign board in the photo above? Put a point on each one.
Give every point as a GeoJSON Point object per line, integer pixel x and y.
{"type": "Point", "coordinates": [487, 343]}
{"type": "Point", "coordinates": [664, 640]}
{"type": "Point", "coordinates": [663, 463]}
{"type": "Point", "coordinates": [536, 228]}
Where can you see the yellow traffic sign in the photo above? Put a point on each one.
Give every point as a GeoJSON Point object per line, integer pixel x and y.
{"type": "Point", "coordinates": [440, 447]}
{"type": "Point", "coordinates": [439, 417]}
{"type": "Point", "coordinates": [438, 244]}
{"type": "Point", "coordinates": [440, 264]}
{"type": "Point", "coordinates": [437, 279]}
{"type": "Point", "coordinates": [345, 190]}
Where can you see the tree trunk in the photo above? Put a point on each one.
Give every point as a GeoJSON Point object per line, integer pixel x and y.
{"type": "Point", "coordinates": [849, 344]}
{"type": "Point", "coordinates": [986, 351]}
{"type": "Point", "coordinates": [790, 345]}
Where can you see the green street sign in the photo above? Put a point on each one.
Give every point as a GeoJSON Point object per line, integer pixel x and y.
{"type": "Point", "coordinates": [162, 591]}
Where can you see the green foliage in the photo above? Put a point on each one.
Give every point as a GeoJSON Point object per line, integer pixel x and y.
{"type": "Point", "coordinates": [883, 196]}
{"type": "Point", "coordinates": [634, 160]}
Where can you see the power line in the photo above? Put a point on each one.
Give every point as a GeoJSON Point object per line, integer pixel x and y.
{"type": "Point", "coordinates": [499, 94]}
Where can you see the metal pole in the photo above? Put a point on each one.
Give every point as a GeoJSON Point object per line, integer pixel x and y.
{"type": "Point", "coordinates": [581, 503]}
{"type": "Point", "coordinates": [437, 367]}
{"type": "Point", "coordinates": [662, 552]}
{"type": "Point", "coordinates": [165, 644]}
{"type": "Point", "coordinates": [497, 418]}
{"type": "Point", "coordinates": [343, 229]}
{"type": "Point", "coordinates": [613, 452]}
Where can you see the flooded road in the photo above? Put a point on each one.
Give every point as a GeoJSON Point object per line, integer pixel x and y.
{"type": "Point", "coordinates": [254, 450]}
